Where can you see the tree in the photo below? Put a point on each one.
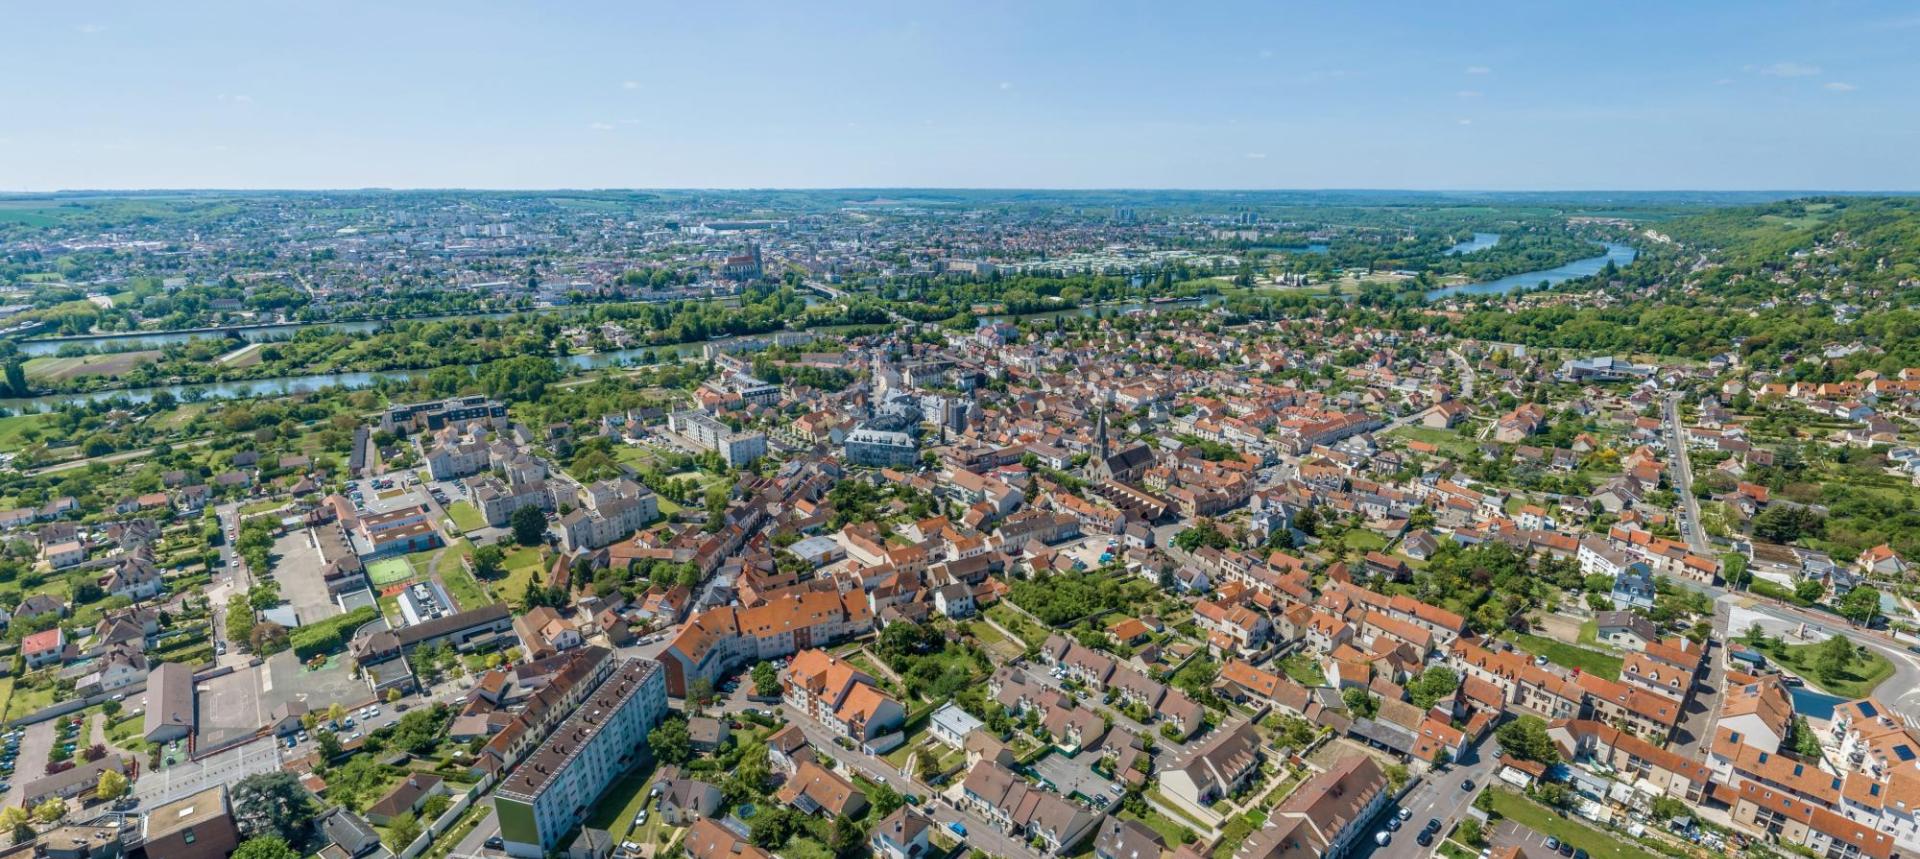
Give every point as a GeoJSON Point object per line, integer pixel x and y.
{"type": "Point", "coordinates": [401, 831]}
{"type": "Point", "coordinates": [529, 526]}
{"type": "Point", "coordinates": [1860, 604]}
{"type": "Point", "coordinates": [265, 847]}
{"type": "Point", "coordinates": [1527, 740]}
{"type": "Point", "coordinates": [749, 778]}
{"type": "Point", "coordinates": [15, 820]}
{"type": "Point", "coordinates": [112, 785]}
{"type": "Point", "coordinates": [670, 741]}
{"type": "Point", "coordinates": [886, 800]}
{"type": "Point", "coordinates": [766, 681]}
{"type": "Point", "coordinates": [1469, 832]}
{"type": "Point", "coordinates": [488, 560]}
{"type": "Point", "coordinates": [393, 696]}
{"type": "Point", "coordinates": [1360, 702]}
{"type": "Point", "coordinates": [1833, 657]}
{"type": "Point", "coordinates": [273, 803]}
{"type": "Point", "coordinates": [327, 745]}
{"type": "Point", "coordinates": [50, 811]}
{"type": "Point", "coordinates": [1433, 685]}
{"type": "Point", "coordinates": [846, 837]}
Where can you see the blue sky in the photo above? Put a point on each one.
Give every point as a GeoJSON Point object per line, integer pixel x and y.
{"type": "Point", "coordinates": [1534, 95]}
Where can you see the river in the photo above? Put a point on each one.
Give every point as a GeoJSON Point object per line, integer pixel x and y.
{"type": "Point", "coordinates": [1618, 254]}
{"type": "Point", "coordinates": [1479, 242]}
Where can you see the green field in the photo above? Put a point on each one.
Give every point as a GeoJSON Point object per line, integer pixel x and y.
{"type": "Point", "coordinates": [520, 564]}
{"type": "Point", "coordinates": [1532, 815]}
{"type": "Point", "coordinates": [13, 430]}
{"type": "Point", "coordinates": [1568, 656]}
{"type": "Point", "coordinates": [466, 516]}
{"type": "Point", "coordinates": [615, 811]}
{"type": "Point", "coordinates": [387, 571]}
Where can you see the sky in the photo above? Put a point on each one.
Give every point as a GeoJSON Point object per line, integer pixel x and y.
{"type": "Point", "coordinates": [1534, 95]}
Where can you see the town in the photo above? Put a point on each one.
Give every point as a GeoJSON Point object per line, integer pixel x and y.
{"type": "Point", "coordinates": [1115, 532]}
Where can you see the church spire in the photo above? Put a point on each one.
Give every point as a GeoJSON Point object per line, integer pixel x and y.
{"type": "Point", "coordinates": [1100, 435]}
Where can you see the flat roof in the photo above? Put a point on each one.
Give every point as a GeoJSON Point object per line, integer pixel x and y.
{"type": "Point", "coordinates": [199, 808]}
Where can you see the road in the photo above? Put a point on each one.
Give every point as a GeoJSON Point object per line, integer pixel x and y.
{"type": "Point", "coordinates": [1440, 795]}
{"type": "Point", "coordinates": [1467, 375]}
{"type": "Point", "coordinates": [1683, 480]}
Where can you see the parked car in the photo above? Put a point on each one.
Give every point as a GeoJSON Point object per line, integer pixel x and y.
{"type": "Point", "coordinates": [958, 828]}
{"type": "Point", "coordinates": [1553, 843]}
{"type": "Point", "coordinates": [1424, 839]}
{"type": "Point", "coordinates": [1382, 838]}
{"type": "Point", "coordinates": [496, 843]}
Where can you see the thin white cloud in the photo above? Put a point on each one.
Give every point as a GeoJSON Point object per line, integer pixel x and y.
{"type": "Point", "coordinates": [1723, 82]}
{"type": "Point", "coordinates": [1006, 85]}
{"type": "Point", "coordinates": [236, 99]}
{"type": "Point", "coordinates": [1266, 54]}
{"type": "Point", "coordinates": [1463, 121]}
{"type": "Point", "coordinates": [91, 29]}
{"type": "Point", "coordinates": [1256, 156]}
{"type": "Point", "coordinates": [1479, 70]}
{"type": "Point", "coordinates": [1467, 93]}
{"type": "Point", "coordinates": [1840, 86]}
{"type": "Point", "coordinates": [629, 84]}
{"type": "Point", "coordinates": [601, 126]}
{"type": "Point", "coordinates": [1788, 70]}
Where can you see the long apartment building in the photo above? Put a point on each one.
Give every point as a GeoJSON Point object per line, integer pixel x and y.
{"type": "Point", "coordinates": [554, 789]}
{"type": "Point", "coordinates": [720, 640]}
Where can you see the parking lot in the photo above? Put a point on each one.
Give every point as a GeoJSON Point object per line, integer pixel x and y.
{"type": "Point", "coordinates": [238, 704]}
{"type": "Point", "coordinates": [1074, 775]}
{"type": "Point", "coordinates": [30, 758]}
{"type": "Point", "coordinates": [1532, 844]}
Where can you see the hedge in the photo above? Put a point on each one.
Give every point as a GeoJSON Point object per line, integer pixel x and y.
{"type": "Point", "coordinates": [331, 634]}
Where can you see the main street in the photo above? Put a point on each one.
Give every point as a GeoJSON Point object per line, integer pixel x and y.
{"type": "Point", "coordinates": [1683, 480]}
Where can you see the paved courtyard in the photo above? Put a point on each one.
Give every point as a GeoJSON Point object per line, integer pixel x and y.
{"type": "Point", "coordinates": [301, 575]}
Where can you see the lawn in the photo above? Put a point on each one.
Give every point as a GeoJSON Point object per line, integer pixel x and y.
{"type": "Point", "coordinates": [1534, 816]}
{"type": "Point", "coordinates": [1448, 441]}
{"type": "Point", "coordinates": [26, 700]}
{"type": "Point", "coordinates": [521, 563]}
{"type": "Point", "coordinates": [1859, 681]}
{"type": "Point", "coordinates": [1304, 669]}
{"type": "Point", "coordinates": [1170, 830]}
{"type": "Point", "coordinates": [466, 517]}
{"type": "Point", "coordinates": [461, 585]}
{"type": "Point", "coordinates": [616, 808]}
{"type": "Point", "coordinates": [1568, 656]}
{"type": "Point", "coordinates": [1031, 634]}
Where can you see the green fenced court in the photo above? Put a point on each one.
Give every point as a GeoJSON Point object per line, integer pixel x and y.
{"type": "Point", "coordinates": [387, 571]}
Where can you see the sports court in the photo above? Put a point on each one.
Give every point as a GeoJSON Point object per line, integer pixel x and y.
{"type": "Point", "coordinates": [387, 571]}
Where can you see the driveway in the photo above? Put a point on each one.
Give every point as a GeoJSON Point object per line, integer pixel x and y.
{"type": "Point", "coordinates": [189, 777]}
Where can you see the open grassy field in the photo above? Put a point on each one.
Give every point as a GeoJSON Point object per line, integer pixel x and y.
{"type": "Point", "coordinates": [64, 369]}
{"type": "Point", "coordinates": [13, 430]}
{"type": "Point", "coordinates": [1568, 656]}
{"type": "Point", "coordinates": [1534, 816]}
{"type": "Point", "coordinates": [520, 564]}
